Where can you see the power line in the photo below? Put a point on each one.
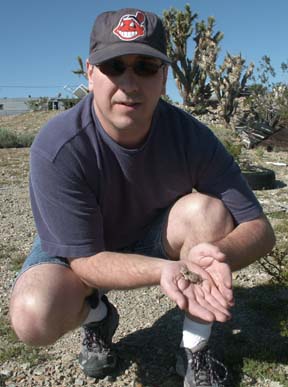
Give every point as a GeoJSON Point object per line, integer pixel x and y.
{"type": "Point", "coordinates": [32, 87]}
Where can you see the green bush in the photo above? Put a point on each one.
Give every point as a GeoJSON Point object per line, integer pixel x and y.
{"type": "Point", "coordinates": [233, 148]}
{"type": "Point", "coordinates": [276, 265]}
{"type": "Point", "coordinates": [267, 101]}
{"type": "Point", "coordinates": [230, 141]}
{"type": "Point", "coordinates": [70, 102]}
{"type": "Point", "coordinates": [11, 139]}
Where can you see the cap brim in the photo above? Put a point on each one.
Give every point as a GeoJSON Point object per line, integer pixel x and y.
{"type": "Point", "coordinates": [119, 49]}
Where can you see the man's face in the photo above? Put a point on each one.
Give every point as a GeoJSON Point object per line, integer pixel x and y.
{"type": "Point", "coordinates": [125, 103]}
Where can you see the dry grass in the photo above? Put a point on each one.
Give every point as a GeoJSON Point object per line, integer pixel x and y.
{"type": "Point", "coordinates": [255, 340]}
{"type": "Point", "coordinates": [27, 122]}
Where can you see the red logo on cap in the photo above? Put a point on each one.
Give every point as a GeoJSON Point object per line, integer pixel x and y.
{"type": "Point", "coordinates": [130, 27]}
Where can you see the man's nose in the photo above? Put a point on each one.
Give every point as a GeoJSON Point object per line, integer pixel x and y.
{"type": "Point", "coordinates": [128, 81]}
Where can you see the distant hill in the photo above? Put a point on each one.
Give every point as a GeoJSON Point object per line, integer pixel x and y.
{"type": "Point", "coordinates": [29, 122]}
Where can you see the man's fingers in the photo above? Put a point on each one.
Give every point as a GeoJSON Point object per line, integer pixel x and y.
{"type": "Point", "coordinates": [226, 293]}
{"type": "Point", "coordinates": [217, 296]}
{"type": "Point", "coordinates": [175, 294]}
{"type": "Point", "coordinates": [203, 310]}
{"type": "Point", "coordinates": [227, 276]}
{"type": "Point", "coordinates": [198, 311]}
{"type": "Point", "coordinates": [219, 271]}
{"type": "Point", "coordinates": [222, 295]}
{"type": "Point", "coordinates": [208, 301]}
{"type": "Point", "coordinates": [191, 304]}
{"type": "Point", "coordinates": [204, 300]}
{"type": "Point", "coordinates": [207, 249]}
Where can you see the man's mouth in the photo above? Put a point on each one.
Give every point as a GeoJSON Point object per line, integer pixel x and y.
{"type": "Point", "coordinates": [128, 104]}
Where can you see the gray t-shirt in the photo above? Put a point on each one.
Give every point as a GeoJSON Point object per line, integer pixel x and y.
{"type": "Point", "coordinates": [89, 194]}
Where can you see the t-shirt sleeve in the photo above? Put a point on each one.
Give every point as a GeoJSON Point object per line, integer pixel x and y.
{"type": "Point", "coordinates": [219, 175]}
{"type": "Point", "coordinates": [67, 216]}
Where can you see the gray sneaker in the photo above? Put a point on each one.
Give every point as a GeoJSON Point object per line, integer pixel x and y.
{"type": "Point", "coordinates": [199, 368]}
{"type": "Point", "coordinates": [97, 358]}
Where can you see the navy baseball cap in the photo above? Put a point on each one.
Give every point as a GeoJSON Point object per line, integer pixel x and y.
{"type": "Point", "coordinates": [127, 31]}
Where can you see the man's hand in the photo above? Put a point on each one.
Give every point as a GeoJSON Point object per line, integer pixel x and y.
{"type": "Point", "coordinates": [196, 299]}
{"type": "Point", "coordinates": [212, 260]}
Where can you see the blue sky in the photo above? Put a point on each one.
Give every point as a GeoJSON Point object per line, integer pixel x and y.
{"type": "Point", "coordinates": [41, 40]}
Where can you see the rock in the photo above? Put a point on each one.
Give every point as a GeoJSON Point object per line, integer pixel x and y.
{"type": "Point", "coordinates": [6, 373]}
{"type": "Point", "coordinates": [39, 371]}
{"type": "Point", "coordinates": [140, 309]}
{"type": "Point", "coordinates": [79, 382]}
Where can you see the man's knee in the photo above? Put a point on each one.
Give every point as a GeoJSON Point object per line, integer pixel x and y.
{"type": "Point", "coordinates": [196, 210]}
{"type": "Point", "coordinates": [30, 320]}
{"type": "Point", "coordinates": [206, 208]}
{"type": "Point", "coordinates": [47, 301]}
{"type": "Point", "coordinates": [196, 218]}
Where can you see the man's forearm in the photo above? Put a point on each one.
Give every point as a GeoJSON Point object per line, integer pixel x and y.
{"type": "Point", "coordinates": [247, 242]}
{"type": "Point", "coordinates": [118, 270]}
{"type": "Point", "coordinates": [109, 270]}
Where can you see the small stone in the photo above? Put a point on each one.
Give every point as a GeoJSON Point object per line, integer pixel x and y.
{"type": "Point", "coordinates": [25, 366]}
{"type": "Point", "coordinates": [39, 371]}
{"type": "Point", "coordinates": [109, 378]}
{"type": "Point", "coordinates": [6, 373]}
{"type": "Point", "coordinates": [68, 359]}
{"type": "Point", "coordinates": [79, 382]}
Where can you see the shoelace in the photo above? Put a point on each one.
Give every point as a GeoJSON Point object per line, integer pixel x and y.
{"type": "Point", "coordinates": [93, 340]}
{"type": "Point", "coordinates": [202, 362]}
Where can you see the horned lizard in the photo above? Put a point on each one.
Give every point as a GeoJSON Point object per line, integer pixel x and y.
{"type": "Point", "coordinates": [188, 275]}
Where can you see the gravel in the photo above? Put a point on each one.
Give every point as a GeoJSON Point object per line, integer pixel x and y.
{"type": "Point", "coordinates": [150, 325]}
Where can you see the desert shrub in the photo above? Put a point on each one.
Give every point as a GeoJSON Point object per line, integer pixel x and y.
{"type": "Point", "coordinates": [38, 104]}
{"type": "Point", "coordinates": [230, 140]}
{"type": "Point", "coordinates": [69, 102]}
{"type": "Point", "coordinates": [267, 101]}
{"type": "Point", "coordinates": [276, 265]}
{"type": "Point", "coordinates": [11, 139]}
{"type": "Point", "coordinates": [269, 106]}
{"type": "Point", "coordinates": [167, 98]}
{"type": "Point", "coordinates": [234, 148]}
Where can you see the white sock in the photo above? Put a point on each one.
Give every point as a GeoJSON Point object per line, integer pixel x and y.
{"type": "Point", "coordinates": [96, 314]}
{"type": "Point", "coordinates": [195, 334]}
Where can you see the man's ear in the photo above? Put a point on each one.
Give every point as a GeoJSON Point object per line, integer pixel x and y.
{"type": "Point", "coordinates": [165, 75]}
{"type": "Point", "coordinates": [89, 69]}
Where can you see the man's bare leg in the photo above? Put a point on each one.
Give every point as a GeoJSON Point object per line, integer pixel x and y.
{"type": "Point", "coordinates": [195, 218]}
{"type": "Point", "coordinates": [47, 301]}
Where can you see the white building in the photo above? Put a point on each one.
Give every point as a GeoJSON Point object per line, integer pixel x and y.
{"type": "Point", "coordinates": [14, 106]}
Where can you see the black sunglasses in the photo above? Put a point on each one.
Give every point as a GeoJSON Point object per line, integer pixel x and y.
{"type": "Point", "coordinates": [116, 67]}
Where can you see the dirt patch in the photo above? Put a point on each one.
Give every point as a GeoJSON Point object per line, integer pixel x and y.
{"type": "Point", "coordinates": [278, 140]}
{"type": "Point", "coordinates": [150, 325]}
{"type": "Point", "coordinates": [27, 122]}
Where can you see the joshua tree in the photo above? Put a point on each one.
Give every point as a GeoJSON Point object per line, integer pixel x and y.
{"type": "Point", "coordinates": [80, 70]}
{"type": "Point", "coordinates": [227, 82]}
{"type": "Point", "coordinates": [189, 75]}
{"type": "Point", "coordinates": [268, 101]}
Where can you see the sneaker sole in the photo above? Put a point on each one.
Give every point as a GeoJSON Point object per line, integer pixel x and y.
{"type": "Point", "coordinates": [101, 372]}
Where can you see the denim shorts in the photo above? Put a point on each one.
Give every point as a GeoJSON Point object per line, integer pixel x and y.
{"type": "Point", "coordinates": [150, 245]}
